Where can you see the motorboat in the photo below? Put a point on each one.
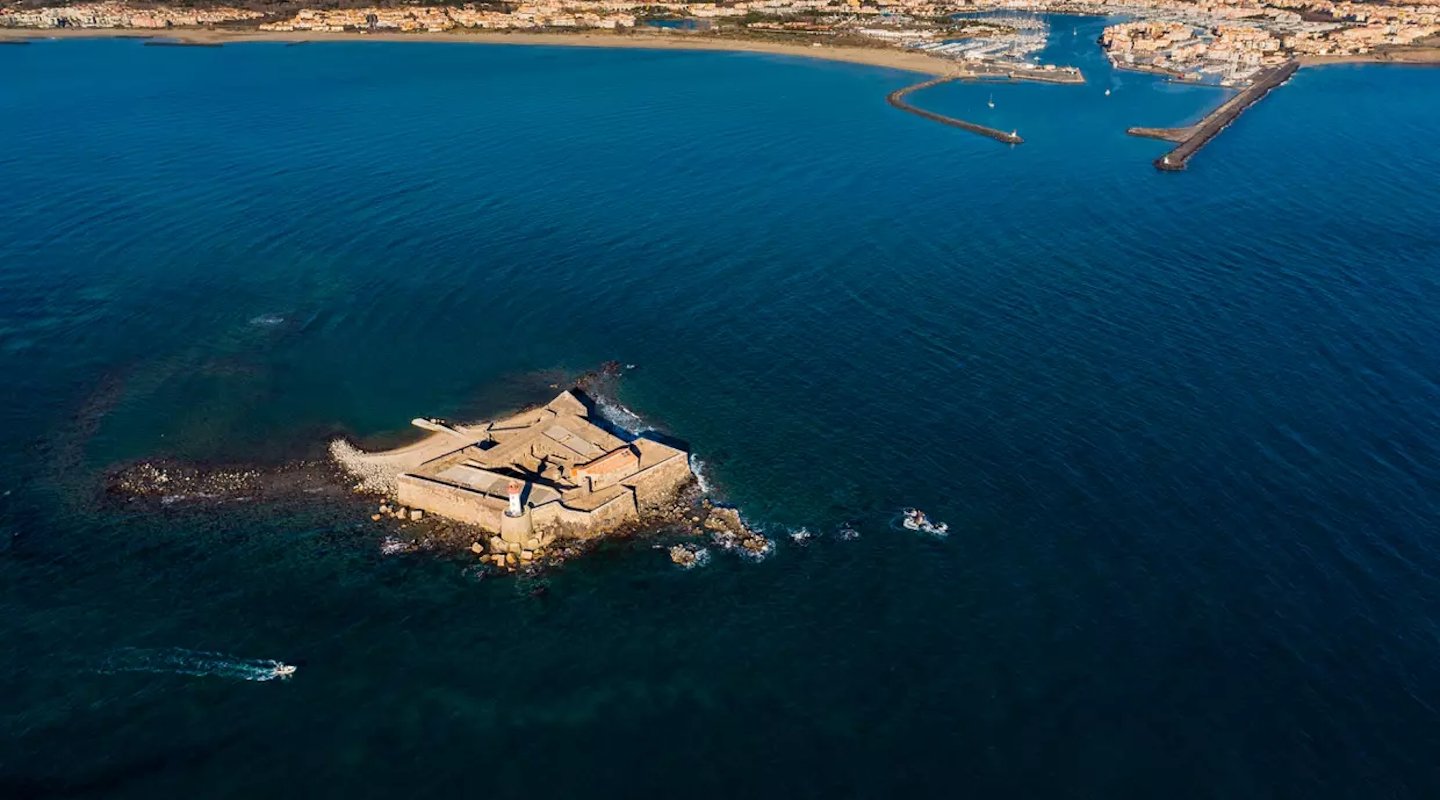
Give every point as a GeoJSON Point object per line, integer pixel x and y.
{"type": "Point", "coordinates": [283, 670]}
{"type": "Point", "coordinates": [991, 101]}
{"type": "Point", "coordinates": [917, 520]}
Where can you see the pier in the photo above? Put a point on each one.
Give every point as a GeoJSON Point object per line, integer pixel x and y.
{"type": "Point", "coordinates": [897, 99]}
{"type": "Point", "coordinates": [1193, 137]}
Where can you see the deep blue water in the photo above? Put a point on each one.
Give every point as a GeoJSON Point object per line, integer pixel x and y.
{"type": "Point", "coordinates": [1185, 428]}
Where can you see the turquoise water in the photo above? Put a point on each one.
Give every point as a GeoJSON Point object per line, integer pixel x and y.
{"type": "Point", "coordinates": [1184, 427]}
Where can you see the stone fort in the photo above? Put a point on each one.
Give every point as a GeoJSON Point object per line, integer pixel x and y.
{"type": "Point", "coordinates": [544, 472]}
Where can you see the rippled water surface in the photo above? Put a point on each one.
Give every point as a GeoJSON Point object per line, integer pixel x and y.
{"type": "Point", "coordinates": [1185, 428]}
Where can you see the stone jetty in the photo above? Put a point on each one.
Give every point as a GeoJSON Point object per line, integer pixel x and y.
{"type": "Point", "coordinates": [897, 99]}
{"type": "Point", "coordinates": [1193, 137]}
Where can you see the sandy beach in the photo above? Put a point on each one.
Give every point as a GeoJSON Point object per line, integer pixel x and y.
{"type": "Point", "coordinates": [890, 58]}
{"type": "Point", "coordinates": [1409, 55]}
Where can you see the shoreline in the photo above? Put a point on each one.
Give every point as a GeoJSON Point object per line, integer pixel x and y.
{"type": "Point", "coordinates": [889, 58]}
{"type": "Point", "coordinates": [1190, 138]}
{"type": "Point", "coordinates": [1419, 57]}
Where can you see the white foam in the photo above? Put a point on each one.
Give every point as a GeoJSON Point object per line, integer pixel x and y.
{"type": "Point", "coordinates": [267, 320]}
{"type": "Point", "coordinates": [198, 663]}
{"type": "Point", "coordinates": [801, 535]}
{"type": "Point", "coordinates": [698, 468]}
{"type": "Point", "coordinates": [847, 533]}
{"type": "Point", "coordinates": [392, 546]}
{"type": "Point", "coordinates": [618, 415]}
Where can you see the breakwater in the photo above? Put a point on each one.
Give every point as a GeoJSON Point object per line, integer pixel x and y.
{"type": "Point", "coordinates": [1193, 137]}
{"type": "Point", "coordinates": [897, 99]}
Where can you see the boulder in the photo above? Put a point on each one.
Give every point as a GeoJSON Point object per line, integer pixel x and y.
{"type": "Point", "coordinates": [526, 555]}
{"type": "Point", "coordinates": [727, 518]}
{"type": "Point", "coordinates": [374, 517]}
{"type": "Point", "coordinates": [682, 555]}
{"type": "Point", "coordinates": [477, 548]}
{"type": "Point", "coordinates": [416, 514]}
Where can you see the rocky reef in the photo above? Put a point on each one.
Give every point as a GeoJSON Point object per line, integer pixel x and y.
{"type": "Point", "coordinates": [357, 488]}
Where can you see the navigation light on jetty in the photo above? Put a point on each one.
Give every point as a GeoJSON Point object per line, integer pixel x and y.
{"type": "Point", "coordinates": [513, 490]}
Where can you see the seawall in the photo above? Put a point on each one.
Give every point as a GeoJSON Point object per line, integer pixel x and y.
{"type": "Point", "coordinates": [1192, 138]}
{"type": "Point", "coordinates": [897, 99]}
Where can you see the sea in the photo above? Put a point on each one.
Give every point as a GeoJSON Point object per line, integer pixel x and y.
{"type": "Point", "coordinates": [1184, 428]}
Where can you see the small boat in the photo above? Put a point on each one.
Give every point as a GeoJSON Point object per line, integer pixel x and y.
{"type": "Point", "coordinates": [917, 520]}
{"type": "Point", "coordinates": [991, 101]}
{"type": "Point", "coordinates": [1107, 92]}
{"type": "Point", "coordinates": [283, 670]}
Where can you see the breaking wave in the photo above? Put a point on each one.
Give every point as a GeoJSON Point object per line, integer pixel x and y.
{"type": "Point", "coordinates": [697, 467]}
{"type": "Point", "coordinates": [702, 557]}
{"type": "Point", "coordinates": [199, 663]}
{"type": "Point", "coordinates": [391, 546]}
{"type": "Point", "coordinates": [615, 413]}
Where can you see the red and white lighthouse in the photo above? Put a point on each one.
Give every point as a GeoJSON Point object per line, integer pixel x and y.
{"type": "Point", "coordinates": [513, 490]}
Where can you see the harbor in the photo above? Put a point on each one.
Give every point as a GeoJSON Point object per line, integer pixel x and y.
{"type": "Point", "coordinates": [897, 99]}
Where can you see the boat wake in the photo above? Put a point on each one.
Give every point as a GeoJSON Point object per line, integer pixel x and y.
{"type": "Point", "coordinates": [197, 663]}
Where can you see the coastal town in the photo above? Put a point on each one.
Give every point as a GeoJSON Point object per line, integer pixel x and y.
{"type": "Point", "coordinates": [1231, 43]}
{"type": "Point", "coordinates": [1252, 46]}
{"type": "Point", "coordinates": [1228, 42]}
